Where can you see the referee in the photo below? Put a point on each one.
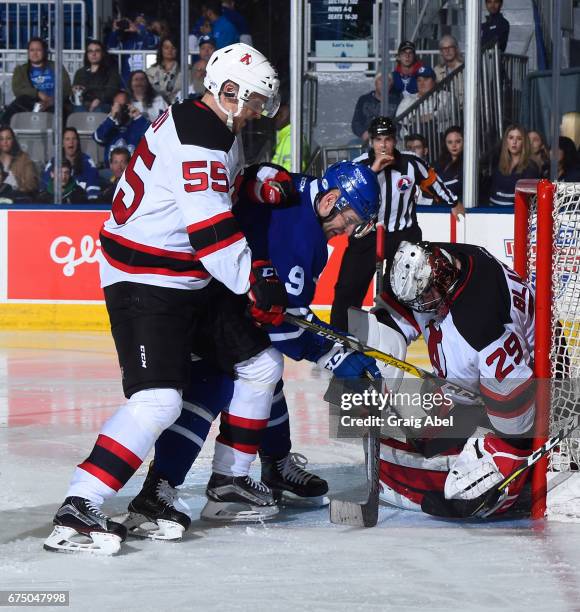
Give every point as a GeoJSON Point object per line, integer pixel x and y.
{"type": "Point", "coordinates": [402, 177]}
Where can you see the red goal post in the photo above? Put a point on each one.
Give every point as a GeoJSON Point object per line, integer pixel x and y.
{"type": "Point", "coordinates": [547, 253]}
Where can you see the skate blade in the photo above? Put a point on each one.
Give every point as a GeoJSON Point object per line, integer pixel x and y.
{"type": "Point", "coordinates": [296, 501]}
{"type": "Point", "coordinates": [67, 539]}
{"type": "Point", "coordinates": [140, 526]}
{"type": "Point", "coordinates": [237, 513]}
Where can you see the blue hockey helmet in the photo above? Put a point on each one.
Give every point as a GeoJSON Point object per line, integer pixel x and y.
{"type": "Point", "coordinates": [359, 188]}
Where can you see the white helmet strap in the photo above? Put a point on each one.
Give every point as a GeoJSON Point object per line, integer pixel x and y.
{"type": "Point", "coordinates": [230, 115]}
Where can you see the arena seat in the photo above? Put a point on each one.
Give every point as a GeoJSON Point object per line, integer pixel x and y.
{"type": "Point", "coordinates": [34, 133]}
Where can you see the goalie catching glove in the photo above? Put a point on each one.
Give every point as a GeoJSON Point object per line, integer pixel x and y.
{"type": "Point", "coordinates": [483, 463]}
{"type": "Point", "coordinates": [267, 295]}
{"type": "Point", "coordinates": [266, 184]}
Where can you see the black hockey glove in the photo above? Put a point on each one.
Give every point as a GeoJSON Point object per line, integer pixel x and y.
{"type": "Point", "coordinates": [267, 294]}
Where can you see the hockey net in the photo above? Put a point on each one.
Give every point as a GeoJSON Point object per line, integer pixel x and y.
{"type": "Point", "coordinates": [547, 253]}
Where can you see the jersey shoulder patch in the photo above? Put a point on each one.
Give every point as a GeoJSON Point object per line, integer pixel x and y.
{"type": "Point", "coordinates": [481, 304]}
{"type": "Point", "coordinates": [196, 124]}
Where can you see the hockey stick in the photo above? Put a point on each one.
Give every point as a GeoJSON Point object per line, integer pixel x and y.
{"type": "Point", "coordinates": [366, 514]}
{"type": "Point", "coordinates": [343, 512]}
{"type": "Point", "coordinates": [437, 505]}
{"type": "Point", "coordinates": [356, 345]}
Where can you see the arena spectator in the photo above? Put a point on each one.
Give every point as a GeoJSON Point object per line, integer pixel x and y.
{"type": "Point", "coordinates": [20, 170]}
{"type": "Point", "coordinates": [127, 35]}
{"type": "Point", "coordinates": [570, 126]}
{"type": "Point", "coordinates": [495, 26]}
{"type": "Point", "coordinates": [539, 152]}
{"type": "Point", "coordinates": [240, 22]}
{"type": "Point", "coordinates": [451, 57]}
{"type": "Point", "coordinates": [83, 168]}
{"type": "Point", "coordinates": [165, 74]}
{"type": "Point", "coordinates": [158, 30]}
{"type": "Point", "coordinates": [404, 74]}
{"type": "Point", "coordinates": [568, 163]}
{"type": "Point", "coordinates": [207, 46]}
{"type": "Point", "coordinates": [200, 29]}
{"type": "Point", "coordinates": [417, 145]}
{"type": "Point", "coordinates": [124, 127]}
{"type": "Point", "coordinates": [72, 192]}
{"type": "Point", "coordinates": [449, 166]}
{"type": "Point", "coordinates": [143, 96]}
{"type": "Point", "coordinates": [515, 163]}
{"type": "Point", "coordinates": [368, 106]}
{"type": "Point", "coordinates": [437, 107]}
{"type": "Point", "coordinates": [6, 191]}
{"type": "Point", "coordinates": [95, 84]}
{"type": "Point", "coordinates": [119, 161]}
{"type": "Point", "coordinates": [222, 30]}
{"type": "Point", "coordinates": [33, 83]}
{"type": "Point", "coordinates": [197, 88]}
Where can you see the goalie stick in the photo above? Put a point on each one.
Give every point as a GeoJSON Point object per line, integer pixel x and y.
{"type": "Point", "coordinates": [366, 514]}
{"type": "Point", "coordinates": [436, 504]}
{"type": "Point", "coordinates": [344, 512]}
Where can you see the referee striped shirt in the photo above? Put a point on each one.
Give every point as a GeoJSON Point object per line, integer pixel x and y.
{"type": "Point", "coordinates": [401, 185]}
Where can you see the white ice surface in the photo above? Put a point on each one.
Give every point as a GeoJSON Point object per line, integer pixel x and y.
{"type": "Point", "coordinates": [58, 388]}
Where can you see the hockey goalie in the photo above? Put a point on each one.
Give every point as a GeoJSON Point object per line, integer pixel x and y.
{"type": "Point", "coordinates": [476, 318]}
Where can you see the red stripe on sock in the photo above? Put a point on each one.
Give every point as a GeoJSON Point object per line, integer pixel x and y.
{"type": "Point", "coordinates": [238, 421]}
{"type": "Point", "coordinates": [250, 449]}
{"type": "Point", "coordinates": [121, 451]}
{"type": "Point", "coordinates": [103, 476]}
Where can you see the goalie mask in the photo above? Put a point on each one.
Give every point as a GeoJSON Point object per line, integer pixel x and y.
{"type": "Point", "coordinates": [423, 276]}
{"type": "Point", "coordinates": [255, 77]}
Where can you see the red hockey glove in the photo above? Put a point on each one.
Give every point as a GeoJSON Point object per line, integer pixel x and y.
{"type": "Point", "coordinates": [267, 184]}
{"type": "Point", "coordinates": [267, 295]}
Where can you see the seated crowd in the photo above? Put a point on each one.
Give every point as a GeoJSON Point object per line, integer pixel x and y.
{"type": "Point", "coordinates": [520, 155]}
{"type": "Point", "coordinates": [131, 95]}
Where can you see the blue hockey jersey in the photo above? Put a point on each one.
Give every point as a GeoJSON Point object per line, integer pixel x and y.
{"type": "Point", "coordinates": [292, 238]}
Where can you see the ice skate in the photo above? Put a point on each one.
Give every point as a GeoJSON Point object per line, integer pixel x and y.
{"type": "Point", "coordinates": [152, 514]}
{"type": "Point", "coordinates": [80, 526]}
{"type": "Point", "coordinates": [291, 483]}
{"type": "Point", "coordinates": [238, 499]}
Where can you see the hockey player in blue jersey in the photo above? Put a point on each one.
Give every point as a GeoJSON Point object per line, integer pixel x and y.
{"type": "Point", "coordinates": [294, 237]}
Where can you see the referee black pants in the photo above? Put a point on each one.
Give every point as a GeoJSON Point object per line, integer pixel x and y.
{"type": "Point", "coordinates": [358, 267]}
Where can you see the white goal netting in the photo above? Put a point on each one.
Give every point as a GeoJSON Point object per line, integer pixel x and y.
{"type": "Point", "coordinates": [563, 501]}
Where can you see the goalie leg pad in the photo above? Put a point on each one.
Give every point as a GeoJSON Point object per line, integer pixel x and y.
{"type": "Point", "coordinates": [407, 476]}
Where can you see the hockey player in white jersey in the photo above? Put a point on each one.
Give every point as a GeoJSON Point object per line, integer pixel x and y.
{"type": "Point", "coordinates": [477, 318]}
{"type": "Point", "coordinates": [170, 233]}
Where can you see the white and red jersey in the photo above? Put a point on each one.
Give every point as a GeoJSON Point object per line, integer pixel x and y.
{"type": "Point", "coordinates": [171, 223]}
{"type": "Point", "coordinates": [486, 339]}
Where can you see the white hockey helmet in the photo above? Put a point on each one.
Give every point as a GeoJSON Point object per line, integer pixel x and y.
{"type": "Point", "coordinates": [251, 71]}
{"type": "Point", "coordinates": [419, 268]}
